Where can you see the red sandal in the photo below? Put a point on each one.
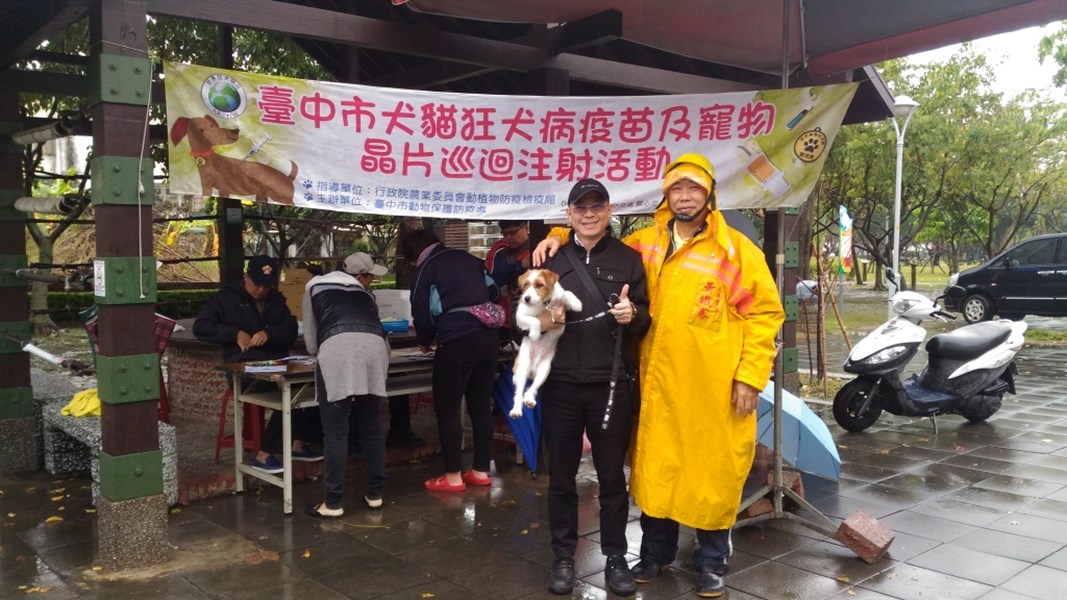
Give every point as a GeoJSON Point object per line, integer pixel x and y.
{"type": "Point", "coordinates": [440, 484]}
{"type": "Point", "coordinates": [470, 478]}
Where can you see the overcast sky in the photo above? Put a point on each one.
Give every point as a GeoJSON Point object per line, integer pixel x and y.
{"type": "Point", "coordinates": [1013, 57]}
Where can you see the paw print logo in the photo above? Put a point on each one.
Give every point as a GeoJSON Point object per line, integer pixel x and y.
{"type": "Point", "coordinates": [810, 145]}
{"type": "Point", "coordinates": [307, 183]}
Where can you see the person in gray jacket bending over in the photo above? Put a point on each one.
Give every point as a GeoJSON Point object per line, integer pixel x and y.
{"type": "Point", "coordinates": [342, 328]}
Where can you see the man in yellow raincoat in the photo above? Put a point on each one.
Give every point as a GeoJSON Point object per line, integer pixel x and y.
{"type": "Point", "coordinates": [715, 313]}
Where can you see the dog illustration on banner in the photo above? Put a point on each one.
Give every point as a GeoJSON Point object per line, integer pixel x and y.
{"type": "Point", "coordinates": [541, 291]}
{"type": "Point", "coordinates": [232, 177]}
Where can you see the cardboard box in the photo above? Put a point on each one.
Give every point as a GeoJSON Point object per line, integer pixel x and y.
{"type": "Point", "coordinates": [300, 276]}
{"type": "Point", "coordinates": [294, 297]}
{"type": "Point", "coordinates": [292, 287]}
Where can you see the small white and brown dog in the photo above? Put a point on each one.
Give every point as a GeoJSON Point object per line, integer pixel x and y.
{"type": "Point", "coordinates": [540, 291]}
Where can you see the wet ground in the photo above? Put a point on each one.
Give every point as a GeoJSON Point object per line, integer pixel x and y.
{"type": "Point", "coordinates": [979, 511]}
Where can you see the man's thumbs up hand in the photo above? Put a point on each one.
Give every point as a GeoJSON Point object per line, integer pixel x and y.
{"type": "Point", "coordinates": [624, 310]}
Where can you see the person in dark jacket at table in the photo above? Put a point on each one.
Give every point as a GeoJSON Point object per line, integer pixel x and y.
{"type": "Point", "coordinates": [251, 322]}
{"type": "Point", "coordinates": [464, 364]}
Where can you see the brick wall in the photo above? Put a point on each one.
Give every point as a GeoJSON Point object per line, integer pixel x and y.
{"type": "Point", "coordinates": [195, 381]}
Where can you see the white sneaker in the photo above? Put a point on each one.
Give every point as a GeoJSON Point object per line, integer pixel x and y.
{"type": "Point", "coordinates": [373, 502]}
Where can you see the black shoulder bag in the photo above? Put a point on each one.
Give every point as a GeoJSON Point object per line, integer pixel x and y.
{"type": "Point", "coordinates": [587, 281]}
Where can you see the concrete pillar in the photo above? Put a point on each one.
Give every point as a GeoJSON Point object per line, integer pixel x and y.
{"type": "Point", "coordinates": [132, 511]}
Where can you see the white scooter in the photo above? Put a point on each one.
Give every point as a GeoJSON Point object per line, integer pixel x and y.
{"type": "Point", "coordinates": [968, 371]}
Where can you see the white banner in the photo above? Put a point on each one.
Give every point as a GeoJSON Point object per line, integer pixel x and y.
{"type": "Point", "coordinates": [400, 152]}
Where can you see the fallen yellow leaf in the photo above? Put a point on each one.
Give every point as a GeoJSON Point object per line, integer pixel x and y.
{"type": "Point", "coordinates": [57, 498]}
{"type": "Point", "coordinates": [57, 491]}
{"type": "Point", "coordinates": [842, 578]}
{"type": "Point", "coordinates": [175, 511]}
{"type": "Point", "coordinates": [306, 554]}
{"type": "Point", "coordinates": [31, 490]}
{"type": "Point", "coordinates": [62, 508]}
{"type": "Point", "coordinates": [54, 520]}
{"type": "Point", "coordinates": [90, 510]}
{"type": "Point", "coordinates": [11, 515]}
{"type": "Point", "coordinates": [427, 594]}
{"type": "Point", "coordinates": [524, 532]}
{"type": "Point", "coordinates": [98, 568]}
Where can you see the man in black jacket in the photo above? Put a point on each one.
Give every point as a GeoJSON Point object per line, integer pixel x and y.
{"type": "Point", "coordinates": [575, 398]}
{"type": "Point", "coordinates": [251, 321]}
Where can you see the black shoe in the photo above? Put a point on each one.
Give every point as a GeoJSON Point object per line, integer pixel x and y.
{"type": "Point", "coordinates": [618, 576]}
{"type": "Point", "coordinates": [562, 581]}
{"type": "Point", "coordinates": [646, 570]}
{"type": "Point", "coordinates": [710, 584]}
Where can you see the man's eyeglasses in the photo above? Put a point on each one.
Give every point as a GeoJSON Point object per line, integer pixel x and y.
{"type": "Point", "coordinates": [581, 209]}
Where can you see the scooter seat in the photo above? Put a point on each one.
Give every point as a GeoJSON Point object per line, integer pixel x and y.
{"type": "Point", "coordinates": [966, 342]}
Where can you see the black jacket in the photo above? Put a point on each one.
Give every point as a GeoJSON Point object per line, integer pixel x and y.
{"type": "Point", "coordinates": [586, 350]}
{"type": "Point", "coordinates": [460, 280]}
{"type": "Point", "coordinates": [343, 308]}
{"type": "Point", "coordinates": [231, 309]}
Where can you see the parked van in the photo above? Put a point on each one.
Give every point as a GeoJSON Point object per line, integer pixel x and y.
{"type": "Point", "coordinates": [1029, 278]}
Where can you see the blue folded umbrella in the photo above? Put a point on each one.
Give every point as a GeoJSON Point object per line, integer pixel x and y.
{"type": "Point", "coordinates": [527, 428]}
{"type": "Point", "coordinates": [806, 440]}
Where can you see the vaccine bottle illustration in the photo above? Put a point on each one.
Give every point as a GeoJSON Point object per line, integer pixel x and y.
{"type": "Point", "coordinates": [764, 171]}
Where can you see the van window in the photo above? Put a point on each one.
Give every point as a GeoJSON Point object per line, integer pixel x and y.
{"type": "Point", "coordinates": [1039, 252]}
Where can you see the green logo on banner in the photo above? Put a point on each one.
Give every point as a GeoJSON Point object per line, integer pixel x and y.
{"type": "Point", "coordinates": [224, 96]}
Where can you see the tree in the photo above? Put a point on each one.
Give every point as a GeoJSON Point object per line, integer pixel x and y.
{"type": "Point", "coordinates": [979, 169]}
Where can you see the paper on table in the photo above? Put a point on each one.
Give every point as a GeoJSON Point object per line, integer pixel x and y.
{"type": "Point", "coordinates": [278, 365]}
{"type": "Point", "coordinates": [266, 366]}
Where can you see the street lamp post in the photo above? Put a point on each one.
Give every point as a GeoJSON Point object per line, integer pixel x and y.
{"type": "Point", "coordinates": [903, 107]}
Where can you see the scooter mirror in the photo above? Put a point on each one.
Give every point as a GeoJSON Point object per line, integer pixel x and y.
{"type": "Point", "coordinates": [891, 275]}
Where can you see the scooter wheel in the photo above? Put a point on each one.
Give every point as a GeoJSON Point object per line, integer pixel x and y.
{"type": "Point", "coordinates": [855, 407]}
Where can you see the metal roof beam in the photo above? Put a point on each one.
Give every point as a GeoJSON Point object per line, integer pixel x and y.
{"type": "Point", "coordinates": [354, 30]}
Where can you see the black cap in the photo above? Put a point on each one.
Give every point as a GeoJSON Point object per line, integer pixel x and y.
{"type": "Point", "coordinates": [263, 270]}
{"type": "Point", "coordinates": [585, 186]}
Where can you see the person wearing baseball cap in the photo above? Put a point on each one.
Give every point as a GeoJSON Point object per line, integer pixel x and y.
{"type": "Point", "coordinates": [582, 392]}
{"type": "Point", "coordinates": [251, 321]}
{"type": "Point", "coordinates": [711, 348]}
{"type": "Point", "coordinates": [343, 329]}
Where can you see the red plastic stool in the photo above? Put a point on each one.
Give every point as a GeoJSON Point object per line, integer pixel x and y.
{"type": "Point", "coordinates": [253, 427]}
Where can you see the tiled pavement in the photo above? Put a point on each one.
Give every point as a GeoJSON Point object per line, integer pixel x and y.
{"type": "Point", "coordinates": [979, 511]}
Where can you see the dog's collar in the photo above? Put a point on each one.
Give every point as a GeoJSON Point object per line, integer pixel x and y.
{"type": "Point", "coordinates": [208, 152]}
